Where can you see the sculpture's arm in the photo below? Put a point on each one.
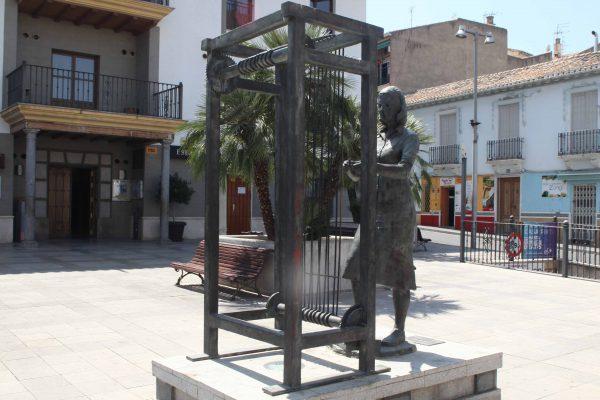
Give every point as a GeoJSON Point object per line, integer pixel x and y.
{"type": "Point", "coordinates": [403, 168]}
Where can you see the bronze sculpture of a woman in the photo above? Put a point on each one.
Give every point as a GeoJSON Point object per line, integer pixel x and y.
{"type": "Point", "coordinates": [396, 214]}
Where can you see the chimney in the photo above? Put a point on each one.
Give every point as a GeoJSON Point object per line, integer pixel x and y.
{"type": "Point", "coordinates": [595, 41]}
{"type": "Point", "coordinates": [489, 19]}
{"type": "Point", "coordinates": [557, 48]}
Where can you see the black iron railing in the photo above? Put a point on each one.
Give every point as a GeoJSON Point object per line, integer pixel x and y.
{"type": "Point", "coordinates": [239, 12]}
{"type": "Point", "coordinates": [58, 87]}
{"type": "Point", "coordinates": [161, 2]}
{"type": "Point", "coordinates": [505, 149]}
{"type": "Point", "coordinates": [449, 154]}
{"type": "Point", "coordinates": [579, 142]}
{"type": "Point", "coordinates": [554, 247]}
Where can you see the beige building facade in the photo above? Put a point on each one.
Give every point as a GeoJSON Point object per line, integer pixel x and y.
{"type": "Point", "coordinates": [431, 55]}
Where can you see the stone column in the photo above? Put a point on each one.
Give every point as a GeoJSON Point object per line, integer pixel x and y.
{"type": "Point", "coordinates": [30, 154]}
{"type": "Point", "coordinates": [164, 194]}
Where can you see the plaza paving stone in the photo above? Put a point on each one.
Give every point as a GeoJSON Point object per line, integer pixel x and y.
{"type": "Point", "coordinates": [84, 320]}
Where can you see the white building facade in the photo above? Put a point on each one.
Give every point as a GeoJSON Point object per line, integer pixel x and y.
{"type": "Point", "coordinates": [93, 96]}
{"type": "Point", "coordinates": [539, 143]}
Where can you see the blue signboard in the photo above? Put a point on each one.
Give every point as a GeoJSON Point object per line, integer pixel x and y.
{"type": "Point", "coordinates": [540, 241]}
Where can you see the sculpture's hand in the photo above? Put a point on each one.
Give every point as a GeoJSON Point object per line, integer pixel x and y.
{"type": "Point", "coordinates": [352, 169]}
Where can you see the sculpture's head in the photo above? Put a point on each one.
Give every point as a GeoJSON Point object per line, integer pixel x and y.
{"type": "Point", "coordinates": [391, 107]}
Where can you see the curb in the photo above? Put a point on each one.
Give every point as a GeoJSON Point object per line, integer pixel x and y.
{"type": "Point", "coordinates": [440, 230]}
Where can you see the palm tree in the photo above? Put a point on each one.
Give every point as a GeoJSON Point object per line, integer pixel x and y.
{"type": "Point", "coordinates": [247, 129]}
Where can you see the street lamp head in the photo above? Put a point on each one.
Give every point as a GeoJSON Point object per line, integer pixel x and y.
{"type": "Point", "coordinates": [489, 38]}
{"type": "Point", "coordinates": [461, 32]}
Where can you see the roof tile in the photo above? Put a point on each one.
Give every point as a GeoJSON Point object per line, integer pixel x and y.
{"type": "Point", "coordinates": [566, 67]}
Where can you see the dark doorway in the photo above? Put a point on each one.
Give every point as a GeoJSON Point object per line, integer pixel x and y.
{"type": "Point", "coordinates": [451, 206]}
{"type": "Point", "coordinates": [82, 201]}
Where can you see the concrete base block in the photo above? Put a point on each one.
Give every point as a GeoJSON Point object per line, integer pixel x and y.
{"type": "Point", "coordinates": [446, 371]}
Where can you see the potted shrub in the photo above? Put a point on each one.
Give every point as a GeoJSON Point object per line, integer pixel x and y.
{"type": "Point", "coordinates": [180, 192]}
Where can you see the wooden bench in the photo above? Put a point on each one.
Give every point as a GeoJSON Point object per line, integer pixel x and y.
{"type": "Point", "coordinates": [238, 265]}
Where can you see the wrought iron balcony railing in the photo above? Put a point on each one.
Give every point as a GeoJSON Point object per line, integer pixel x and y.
{"type": "Point", "coordinates": [58, 87]}
{"type": "Point", "coordinates": [161, 2]}
{"type": "Point", "coordinates": [239, 12]}
{"type": "Point", "coordinates": [440, 155]}
{"type": "Point", "coordinates": [505, 149]}
{"type": "Point", "coordinates": [579, 142]}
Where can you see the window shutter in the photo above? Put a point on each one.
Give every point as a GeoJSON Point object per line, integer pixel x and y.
{"type": "Point", "coordinates": [584, 110]}
{"type": "Point", "coordinates": [508, 121]}
{"type": "Point", "coordinates": [447, 129]}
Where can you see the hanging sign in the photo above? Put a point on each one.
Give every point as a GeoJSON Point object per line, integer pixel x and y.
{"type": "Point", "coordinates": [540, 241]}
{"type": "Point", "coordinates": [447, 181]}
{"type": "Point", "coordinates": [552, 187]}
{"type": "Point", "coordinates": [178, 153]}
{"type": "Point", "coordinates": [151, 150]}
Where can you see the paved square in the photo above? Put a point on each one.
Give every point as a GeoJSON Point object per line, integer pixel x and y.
{"type": "Point", "coordinates": [84, 320]}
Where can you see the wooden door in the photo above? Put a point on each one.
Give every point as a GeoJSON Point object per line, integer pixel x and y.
{"type": "Point", "coordinates": [509, 197]}
{"type": "Point", "coordinates": [238, 207]}
{"type": "Point", "coordinates": [59, 202]}
{"type": "Point", "coordinates": [444, 203]}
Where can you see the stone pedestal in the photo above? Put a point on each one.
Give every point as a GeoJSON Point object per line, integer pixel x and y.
{"type": "Point", "coordinates": [443, 371]}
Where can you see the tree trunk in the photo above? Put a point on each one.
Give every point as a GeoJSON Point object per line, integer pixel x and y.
{"type": "Point", "coordinates": [261, 181]}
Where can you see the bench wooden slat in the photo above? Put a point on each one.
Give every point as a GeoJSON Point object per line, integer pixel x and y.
{"type": "Point", "coordinates": [236, 262]}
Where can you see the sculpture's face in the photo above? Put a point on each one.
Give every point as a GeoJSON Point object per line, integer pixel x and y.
{"type": "Point", "coordinates": [388, 108]}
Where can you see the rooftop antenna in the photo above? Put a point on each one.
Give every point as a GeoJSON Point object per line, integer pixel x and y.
{"type": "Point", "coordinates": [559, 36]}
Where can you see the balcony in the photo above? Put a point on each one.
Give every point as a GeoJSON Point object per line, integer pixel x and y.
{"type": "Point", "coordinates": [135, 16]}
{"type": "Point", "coordinates": [239, 12]}
{"type": "Point", "coordinates": [63, 100]}
{"type": "Point", "coordinates": [445, 160]}
{"type": "Point", "coordinates": [580, 149]}
{"type": "Point", "coordinates": [505, 155]}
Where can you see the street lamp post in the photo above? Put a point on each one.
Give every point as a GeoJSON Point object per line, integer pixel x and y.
{"type": "Point", "coordinates": [489, 39]}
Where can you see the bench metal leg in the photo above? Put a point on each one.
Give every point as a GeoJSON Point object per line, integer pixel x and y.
{"type": "Point", "coordinates": [183, 274]}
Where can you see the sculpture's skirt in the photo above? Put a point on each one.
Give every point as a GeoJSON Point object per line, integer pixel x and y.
{"type": "Point", "coordinates": [393, 256]}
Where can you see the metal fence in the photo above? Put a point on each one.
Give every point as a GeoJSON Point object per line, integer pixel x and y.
{"type": "Point", "coordinates": [59, 87]}
{"type": "Point", "coordinates": [161, 2]}
{"type": "Point", "coordinates": [579, 142]}
{"type": "Point", "coordinates": [449, 154]}
{"type": "Point", "coordinates": [554, 247]}
{"type": "Point", "coordinates": [505, 149]}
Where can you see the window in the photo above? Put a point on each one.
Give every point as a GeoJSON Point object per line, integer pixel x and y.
{"type": "Point", "coordinates": [324, 5]}
{"type": "Point", "coordinates": [584, 110]}
{"type": "Point", "coordinates": [448, 129]}
{"type": "Point", "coordinates": [508, 121]}
{"type": "Point", "coordinates": [73, 78]}
{"type": "Point", "coordinates": [239, 12]}
{"type": "Point", "coordinates": [384, 73]}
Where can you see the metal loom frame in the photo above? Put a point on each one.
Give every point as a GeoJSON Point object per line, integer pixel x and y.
{"type": "Point", "coordinates": [223, 75]}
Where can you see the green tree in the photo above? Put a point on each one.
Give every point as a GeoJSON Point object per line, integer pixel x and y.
{"type": "Point", "coordinates": [247, 129]}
